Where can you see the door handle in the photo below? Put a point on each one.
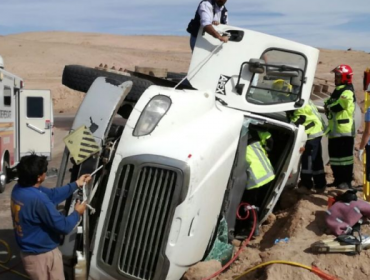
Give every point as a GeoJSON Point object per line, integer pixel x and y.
{"type": "Point", "coordinates": [35, 128]}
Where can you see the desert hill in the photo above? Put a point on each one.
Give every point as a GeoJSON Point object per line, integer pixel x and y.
{"type": "Point", "coordinates": [39, 58]}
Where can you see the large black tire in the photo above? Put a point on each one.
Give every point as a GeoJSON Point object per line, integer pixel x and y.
{"type": "Point", "coordinates": [80, 78]}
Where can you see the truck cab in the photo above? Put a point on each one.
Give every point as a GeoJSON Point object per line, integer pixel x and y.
{"type": "Point", "coordinates": [177, 166]}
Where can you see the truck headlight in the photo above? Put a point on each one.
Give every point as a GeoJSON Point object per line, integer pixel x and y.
{"type": "Point", "coordinates": [152, 114]}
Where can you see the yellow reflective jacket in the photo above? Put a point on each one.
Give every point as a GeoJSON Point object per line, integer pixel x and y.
{"type": "Point", "coordinates": [260, 170]}
{"type": "Point", "coordinates": [310, 118]}
{"type": "Point", "coordinates": [341, 109]}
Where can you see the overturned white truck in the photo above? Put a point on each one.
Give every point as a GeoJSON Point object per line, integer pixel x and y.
{"type": "Point", "coordinates": [178, 164]}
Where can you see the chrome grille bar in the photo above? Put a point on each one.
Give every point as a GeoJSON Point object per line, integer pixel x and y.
{"type": "Point", "coordinates": [115, 221]}
{"type": "Point", "coordinates": [145, 230]}
{"type": "Point", "coordinates": [136, 229]}
{"type": "Point", "coordinates": [159, 227]}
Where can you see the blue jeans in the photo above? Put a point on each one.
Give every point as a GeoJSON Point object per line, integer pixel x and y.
{"type": "Point", "coordinates": [192, 42]}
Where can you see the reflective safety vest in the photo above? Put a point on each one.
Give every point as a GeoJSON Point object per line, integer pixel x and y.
{"type": "Point", "coordinates": [310, 118]}
{"type": "Point", "coordinates": [260, 170]}
{"type": "Point", "coordinates": [341, 107]}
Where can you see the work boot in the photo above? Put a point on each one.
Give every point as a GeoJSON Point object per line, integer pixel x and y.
{"type": "Point", "coordinates": [334, 184]}
{"type": "Point", "coordinates": [344, 186]}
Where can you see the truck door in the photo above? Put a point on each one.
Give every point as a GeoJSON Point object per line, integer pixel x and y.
{"type": "Point", "coordinates": [35, 122]}
{"type": "Point", "coordinates": [291, 161]}
{"type": "Point", "coordinates": [282, 80]}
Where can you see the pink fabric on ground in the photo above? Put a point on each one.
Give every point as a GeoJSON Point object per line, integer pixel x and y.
{"type": "Point", "coordinates": [341, 217]}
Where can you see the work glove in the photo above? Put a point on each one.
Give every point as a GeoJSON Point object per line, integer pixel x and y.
{"type": "Point", "coordinates": [360, 154]}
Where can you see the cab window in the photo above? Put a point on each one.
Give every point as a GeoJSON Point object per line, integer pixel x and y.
{"type": "Point", "coordinates": [281, 81]}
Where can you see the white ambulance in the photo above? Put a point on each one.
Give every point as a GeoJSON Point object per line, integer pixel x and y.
{"type": "Point", "coordinates": [26, 121]}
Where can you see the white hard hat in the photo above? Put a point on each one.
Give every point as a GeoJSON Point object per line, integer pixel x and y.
{"type": "Point", "coordinates": [1, 62]}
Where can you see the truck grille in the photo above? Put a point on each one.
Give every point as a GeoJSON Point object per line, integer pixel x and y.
{"type": "Point", "coordinates": [142, 206]}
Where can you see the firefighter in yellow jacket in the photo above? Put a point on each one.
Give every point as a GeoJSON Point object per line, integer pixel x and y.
{"type": "Point", "coordinates": [340, 108]}
{"type": "Point", "coordinates": [312, 172]}
{"type": "Point", "coordinates": [260, 171]}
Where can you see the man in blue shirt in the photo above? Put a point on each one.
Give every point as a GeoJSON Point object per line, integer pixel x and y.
{"type": "Point", "coordinates": [38, 225]}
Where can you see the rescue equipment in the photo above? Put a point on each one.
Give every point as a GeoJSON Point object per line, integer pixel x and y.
{"type": "Point", "coordinates": [81, 144]}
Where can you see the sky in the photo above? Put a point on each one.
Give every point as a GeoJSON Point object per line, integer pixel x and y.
{"type": "Point", "coordinates": [330, 24]}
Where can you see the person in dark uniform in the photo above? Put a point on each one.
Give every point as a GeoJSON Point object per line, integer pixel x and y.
{"type": "Point", "coordinates": [209, 13]}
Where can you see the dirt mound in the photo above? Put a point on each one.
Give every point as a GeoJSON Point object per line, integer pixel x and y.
{"type": "Point", "coordinates": [303, 224]}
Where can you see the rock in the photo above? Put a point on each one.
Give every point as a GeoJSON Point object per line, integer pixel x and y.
{"type": "Point", "coordinates": [202, 270]}
{"type": "Point", "coordinates": [271, 219]}
{"type": "Point", "coordinates": [236, 243]}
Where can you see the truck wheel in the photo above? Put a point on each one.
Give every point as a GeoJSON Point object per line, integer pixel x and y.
{"type": "Point", "coordinates": [4, 179]}
{"type": "Point", "coordinates": [80, 78]}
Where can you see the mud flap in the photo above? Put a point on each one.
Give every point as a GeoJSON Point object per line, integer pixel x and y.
{"type": "Point", "coordinates": [98, 117]}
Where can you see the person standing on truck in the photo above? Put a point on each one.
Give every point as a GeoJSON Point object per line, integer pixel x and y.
{"type": "Point", "coordinates": [365, 141]}
{"type": "Point", "coordinates": [37, 223]}
{"type": "Point", "coordinates": [340, 108]}
{"type": "Point", "coordinates": [209, 13]}
{"type": "Point", "coordinates": [312, 171]}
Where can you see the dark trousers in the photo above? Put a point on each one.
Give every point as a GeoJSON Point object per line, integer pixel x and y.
{"type": "Point", "coordinates": [312, 165]}
{"type": "Point", "coordinates": [341, 148]}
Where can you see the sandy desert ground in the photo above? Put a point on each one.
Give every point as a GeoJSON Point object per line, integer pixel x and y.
{"type": "Point", "coordinates": [39, 58]}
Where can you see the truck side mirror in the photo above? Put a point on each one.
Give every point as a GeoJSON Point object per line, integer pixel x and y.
{"type": "Point", "coordinates": [296, 81]}
{"type": "Point", "coordinates": [299, 103]}
{"type": "Point", "coordinates": [256, 65]}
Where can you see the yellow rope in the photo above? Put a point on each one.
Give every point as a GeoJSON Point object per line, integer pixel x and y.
{"type": "Point", "coordinates": [8, 258]}
{"type": "Point", "coordinates": [8, 250]}
{"type": "Point", "coordinates": [273, 262]}
{"type": "Point", "coordinates": [14, 271]}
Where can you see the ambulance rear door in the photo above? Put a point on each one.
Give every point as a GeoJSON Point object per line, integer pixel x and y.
{"type": "Point", "coordinates": [35, 122]}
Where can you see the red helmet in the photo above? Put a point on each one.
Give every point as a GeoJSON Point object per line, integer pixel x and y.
{"type": "Point", "coordinates": [345, 71]}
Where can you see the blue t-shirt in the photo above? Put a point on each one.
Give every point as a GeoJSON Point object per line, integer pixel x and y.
{"type": "Point", "coordinates": [367, 119]}
{"type": "Point", "coordinates": [37, 223]}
